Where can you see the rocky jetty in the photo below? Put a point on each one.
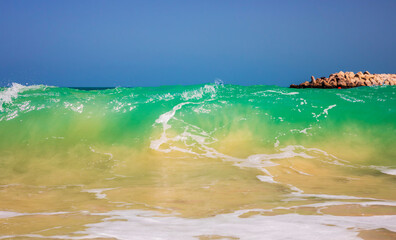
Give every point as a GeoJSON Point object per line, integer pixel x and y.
{"type": "Point", "coordinates": [348, 80]}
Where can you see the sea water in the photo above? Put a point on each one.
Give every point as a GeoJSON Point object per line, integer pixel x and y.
{"type": "Point", "coordinates": [207, 161]}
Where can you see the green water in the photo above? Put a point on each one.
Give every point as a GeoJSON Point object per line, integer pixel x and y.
{"type": "Point", "coordinates": [197, 151]}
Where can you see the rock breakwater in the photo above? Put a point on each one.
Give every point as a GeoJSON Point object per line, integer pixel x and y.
{"type": "Point", "coordinates": [348, 80]}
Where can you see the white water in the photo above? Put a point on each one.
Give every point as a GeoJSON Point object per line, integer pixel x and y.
{"type": "Point", "coordinates": [148, 225]}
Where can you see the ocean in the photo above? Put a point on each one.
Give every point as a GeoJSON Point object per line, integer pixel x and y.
{"type": "Point", "coordinates": [208, 161]}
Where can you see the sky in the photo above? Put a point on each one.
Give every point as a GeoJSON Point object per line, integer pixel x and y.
{"type": "Point", "coordinates": [97, 43]}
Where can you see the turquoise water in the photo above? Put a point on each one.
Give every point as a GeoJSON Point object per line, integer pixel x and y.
{"type": "Point", "coordinates": [195, 152]}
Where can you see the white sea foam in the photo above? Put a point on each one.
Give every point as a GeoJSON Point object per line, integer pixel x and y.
{"type": "Point", "coordinates": [349, 98]}
{"type": "Point", "coordinates": [305, 130]}
{"type": "Point", "coordinates": [268, 179]}
{"type": "Point", "coordinates": [12, 115]}
{"type": "Point", "coordinates": [283, 93]}
{"type": "Point", "coordinates": [261, 161]}
{"type": "Point", "coordinates": [199, 93]}
{"type": "Point", "coordinates": [98, 192]}
{"type": "Point", "coordinates": [164, 97]}
{"type": "Point", "coordinates": [325, 112]}
{"type": "Point", "coordinates": [389, 171]}
{"type": "Point", "coordinates": [300, 193]}
{"type": "Point", "coordinates": [10, 93]}
{"type": "Point", "coordinates": [76, 107]}
{"type": "Point", "coordinates": [201, 109]}
{"type": "Point", "coordinates": [386, 170]}
{"type": "Point", "coordinates": [163, 120]}
{"type": "Point", "coordinates": [339, 203]}
{"type": "Point", "coordinates": [143, 224]}
{"type": "Point", "coordinates": [300, 172]}
{"type": "Point", "coordinates": [328, 108]}
{"type": "Point", "coordinates": [8, 214]}
{"type": "Point", "coordinates": [153, 225]}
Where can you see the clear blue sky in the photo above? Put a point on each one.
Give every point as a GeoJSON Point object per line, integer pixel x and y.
{"type": "Point", "coordinates": [152, 43]}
